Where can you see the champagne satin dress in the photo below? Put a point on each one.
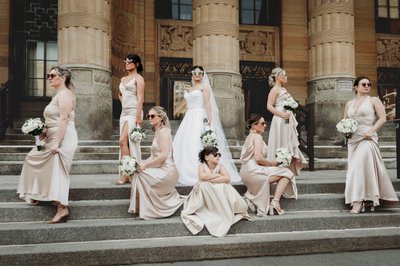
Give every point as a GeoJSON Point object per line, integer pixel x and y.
{"type": "Point", "coordinates": [44, 175]}
{"type": "Point", "coordinates": [256, 177]}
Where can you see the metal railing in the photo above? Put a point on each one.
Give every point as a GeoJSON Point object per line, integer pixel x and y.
{"type": "Point", "coordinates": [5, 115]}
{"type": "Point", "coordinates": [305, 128]}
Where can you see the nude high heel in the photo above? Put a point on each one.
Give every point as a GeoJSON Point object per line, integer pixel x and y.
{"type": "Point", "coordinates": [275, 207]}
{"type": "Point", "coordinates": [356, 210]}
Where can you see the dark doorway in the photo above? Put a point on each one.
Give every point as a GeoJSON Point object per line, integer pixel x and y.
{"type": "Point", "coordinates": [255, 87]}
{"type": "Point", "coordinates": [172, 72]}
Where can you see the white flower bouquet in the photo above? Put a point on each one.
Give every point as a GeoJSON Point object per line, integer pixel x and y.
{"type": "Point", "coordinates": [283, 157]}
{"type": "Point", "coordinates": [138, 134]}
{"type": "Point", "coordinates": [290, 104]}
{"type": "Point", "coordinates": [347, 127]}
{"type": "Point", "coordinates": [128, 165]}
{"type": "Point", "coordinates": [34, 127]}
{"type": "Point", "coordinates": [208, 137]}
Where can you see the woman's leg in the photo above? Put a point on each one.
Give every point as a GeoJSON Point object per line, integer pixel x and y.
{"type": "Point", "coordinates": [281, 184]}
{"type": "Point", "coordinates": [124, 150]}
{"type": "Point", "coordinates": [61, 215]}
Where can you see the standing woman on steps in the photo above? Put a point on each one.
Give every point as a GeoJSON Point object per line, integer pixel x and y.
{"type": "Point", "coordinates": [153, 192]}
{"type": "Point", "coordinates": [283, 132]}
{"type": "Point", "coordinates": [45, 174]}
{"type": "Point", "coordinates": [131, 96]}
{"type": "Point", "coordinates": [367, 181]}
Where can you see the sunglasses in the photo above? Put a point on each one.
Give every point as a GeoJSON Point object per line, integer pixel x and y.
{"type": "Point", "coordinates": [51, 76]}
{"type": "Point", "coordinates": [216, 154]}
{"type": "Point", "coordinates": [151, 116]}
{"type": "Point", "coordinates": [197, 73]}
{"type": "Point", "coordinates": [366, 84]}
{"type": "Point", "coordinates": [128, 61]}
{"type": "Point", "coordinates": [261, 123]}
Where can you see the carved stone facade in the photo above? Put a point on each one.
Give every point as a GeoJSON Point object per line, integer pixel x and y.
{"type": "Point", "coordinates": [175, 38]}
{"type": "Point", "coordinates": [259, 43]}
{"type": "Point", "coordinates": [388, 50]}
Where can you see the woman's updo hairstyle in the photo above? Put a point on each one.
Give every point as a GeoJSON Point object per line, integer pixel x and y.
{"type": "Point", "coordinates": [160, 111]}
{"type": "Point", "coordinates": [253, 118]}
{"type": "Point", "coordinates": [206, 151]}
{"type": "Point", "coordinates": [134, 58]}
{"type": "Point", "coordinates": [66, 75]}
{"type": "Point", "coordinates": [357, 81]}
{"type": "Point", "coordinates": [276, 72]}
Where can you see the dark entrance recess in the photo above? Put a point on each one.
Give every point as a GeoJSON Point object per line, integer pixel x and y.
{"type": "Point", "coordinates": [255, 87]}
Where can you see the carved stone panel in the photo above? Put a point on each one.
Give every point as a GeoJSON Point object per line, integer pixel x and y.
{"type": "Point", "coordinates": [388, 50]}
{"type": "Point", "coordinates": [259, 43]}
{"type": "Point", "coordinates": [175, 38]}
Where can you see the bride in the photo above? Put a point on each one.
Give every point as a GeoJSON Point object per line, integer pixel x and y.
{"type": "Point", "coordinates": [187, 143]}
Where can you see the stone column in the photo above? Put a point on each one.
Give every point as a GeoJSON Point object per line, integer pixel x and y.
{"type": "Point", "coordinates": [84, 47]}
{"type": "Point", "coordinates": [332, 62]}
{"type": "Point", "coordinates": [216, 48]}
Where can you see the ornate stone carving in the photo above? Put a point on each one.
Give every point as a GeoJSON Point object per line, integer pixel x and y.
{"type": "Point", "coordinates": [388, 49]}
{"type": "Point", "coordinates": [258, 45]}
{"type": "Point", "coordinates": [101, 77]}
{"type": "Point", "coordinates": [124, 28]}
{"type": "Point", "coordinates": [176, 38]}
{"type": "Point", "coordinates": [326, 85]}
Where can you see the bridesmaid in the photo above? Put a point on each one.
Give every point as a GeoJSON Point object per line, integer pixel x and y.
{"type": "Point", "coordinates": [259, 173]}
{"type": "Point", "coordinates": [153, 193]}
{"type": "Point", "coordinates": [213, 202]}
{"type": "Point", "coordinates": [367, 181]}
{"type": "Point", "coordinates": [131, 96]}
{"type": "Point", "coordinates": [282, 134]}
{"type": "Point", "coordinates": [45, 174]}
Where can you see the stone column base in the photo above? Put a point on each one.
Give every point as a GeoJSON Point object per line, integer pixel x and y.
{"type": "Point", "coordinates": [93, 114]}
{"type": "Point", "coordinates": [327, 97]}
{"type": "Point", "coordinates": [227, 88]}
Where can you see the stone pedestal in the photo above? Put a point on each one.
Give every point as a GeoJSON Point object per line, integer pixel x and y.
{"type": "Point", "coordinates": [216, 48]}
{"type": "Point", "coordinates": [332, 62]}
{"type": "Point", "coordinates": [84, 48]}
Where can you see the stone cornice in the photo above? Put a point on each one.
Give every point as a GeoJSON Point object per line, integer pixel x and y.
{"type": "Point", "coordinates": [329, 8]}
{"type": "Point", "coordinates": [87, 20]}
{"type": "Point", "coordinates": [199, 3]}
{"type": "Point", "coordinates": [215, 28]}
{"type": "Point", "coordinates": [332, 36]}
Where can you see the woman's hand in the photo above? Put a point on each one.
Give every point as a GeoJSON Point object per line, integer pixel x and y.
{"type": "Point", "coordinates": [141, 168]}
{"type": "Point", "coordinates": [285, 115]}
{"type": "Point", "coordinates": [368, 135]}
{"type": "Point", "coordinates": [54, 149]}
{"type": "Point", "coordinates": [42, 134]}
{"type": "Point", "coordinates": [139, 121]}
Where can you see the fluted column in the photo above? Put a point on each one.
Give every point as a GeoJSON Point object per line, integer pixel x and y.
{"type": "Point", "coordinates": [332, 62]}
{"type": "Point", "coordinates": [84, 47]}
{"type": "Point", "coordinates": [216, 47]}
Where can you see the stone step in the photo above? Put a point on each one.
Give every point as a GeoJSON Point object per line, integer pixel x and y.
{"type": "Point", "coordinates": [170, 249]}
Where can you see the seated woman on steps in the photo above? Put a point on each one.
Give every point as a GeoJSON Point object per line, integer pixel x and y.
{"type": "Point", "coordinates": [213, 202]}
{"type": "Point", "coordinates": [258, 173]}
{"type": "Point", "coordinates": [153, 193]}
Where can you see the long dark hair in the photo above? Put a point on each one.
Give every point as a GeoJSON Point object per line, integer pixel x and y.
{"type": "Point", "coordinates": [137, 61]}
{"type": "Point", "coordinates": [206, 151]}
{"type": "Point", "coordinates": [253, 118]}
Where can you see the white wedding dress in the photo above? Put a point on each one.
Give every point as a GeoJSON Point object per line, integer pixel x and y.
{"type": "Point", "coordinates": [187, 143]}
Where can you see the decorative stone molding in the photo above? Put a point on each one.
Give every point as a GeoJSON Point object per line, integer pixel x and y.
{"type": "Point", "coordinates": [332, 6]}
{"type": "Point", "coordinates": [388, 49]}
{"type": "Point", "coordinates": [333, 35]}
{"type": "Point", "coordinates": [175, 38]}
{"type": "Point", "coordinates": [101, 77]}
{"type": "Point", "coordinates": [124, 28]}
{"type": "Point", "coordinates": [259, 44]}
{"type": "Point", "coordinates": [88, 20]}
{"type": "Point", "coordinates": [198, 3]}
{"type": "Point", "coordinates": [215, 28]}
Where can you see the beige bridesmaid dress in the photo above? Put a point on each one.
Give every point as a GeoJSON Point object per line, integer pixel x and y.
{"type": "Point", "coordinates": [215, 205]}
{"type": "Point", "coordinates": [155, 187]}
{"type": "Point", "coordinates": [45, 175]}
{"type": "Point", "coordinates": [367, 178]}
{"type": "Point", "coordinates": [128, 115]}
{"type": "Point", "coordinates": [282, 135]}
{"type": "Point", "coordinates": [256, 178]}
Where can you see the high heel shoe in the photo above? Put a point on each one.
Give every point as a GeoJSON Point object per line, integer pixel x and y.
{"type": "Point", "coordinates": [369, 205]}
{"type": "Point", "coordinates": [122, 180]}
{"type": "Point", "coordinates": [360, 208]}
{"type": "Point", "coordinates": [252, 207]}
{"type": "Point", "coordinates": [275, 207]}
{"type": "Point", "coordinates": [60, 219]}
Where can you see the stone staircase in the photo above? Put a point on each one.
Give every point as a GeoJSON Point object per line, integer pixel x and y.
{"type": "Point", "coordinates": [100, 231]}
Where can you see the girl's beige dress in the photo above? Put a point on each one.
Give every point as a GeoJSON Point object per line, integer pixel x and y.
{"type": "Point", "coordinates": [45, 176]}
{"type": "Point", "coordinates": [128, 115]}
{"type": "Point", "coordinates": [155, 186]}
{"type": "Point", "coordinates": [256, 178]}
{"type": "Point", "coordinates": [215, 205]}
{"type": "Point", "coordinates": [367, 178]}
{"type": "Point", "coordinates": [282, 135]}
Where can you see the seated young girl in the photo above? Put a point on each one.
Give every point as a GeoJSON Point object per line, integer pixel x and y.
{"type": "Point", "coordinates": [213, 202]}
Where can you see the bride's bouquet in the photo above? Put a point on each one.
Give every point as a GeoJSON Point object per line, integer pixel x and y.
{"type": "Point", "coordinates": [283, 157]}
{"type": "Point", "coordinates": [138, 134]}
{"type": "Point", "coordinates": [128, 165]}
{"type": "Point", "coordinates": [347, 127]}
{"type": "Point", "coordinates": [34, 127]}
{"type": "Point", "coordinates": [290, 104]}
{"type": "Point", "coordinates": [208, 137]}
